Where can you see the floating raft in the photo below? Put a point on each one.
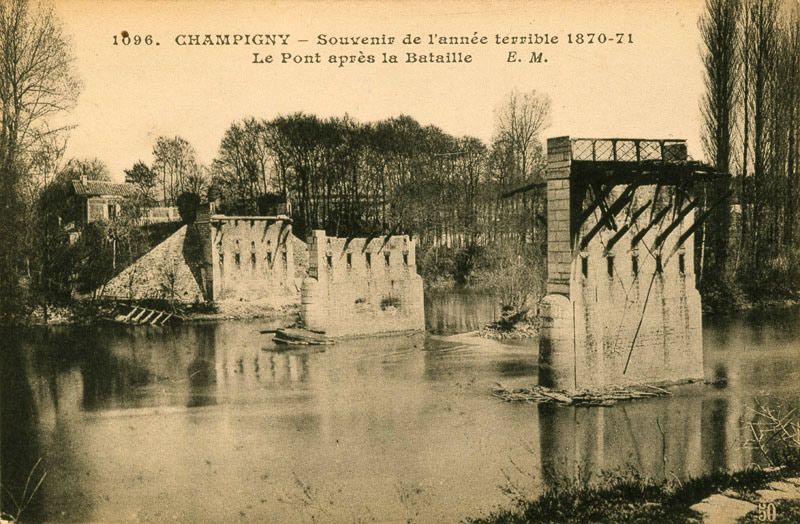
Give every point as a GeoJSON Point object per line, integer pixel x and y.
{"type": "Point", "coordinates": [605, 397]}
{"type": "Point", "coordinates": [300, 337]}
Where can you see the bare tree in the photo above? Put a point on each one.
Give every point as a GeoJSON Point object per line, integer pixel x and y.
{"type": "Point", "coordinates": [718, 28]}
{"type": "Point", "coordinates": [754, 46]}
{"type": "Point", "coordinates": [36, 77]}
{"type": "Point", "coordinates": [762, 15]}
{"type": "Point", "coordinates": [196, 182]}
{"type": "Point", "coordinates": [37, 82]}
{"type": "Point", "coordinates": [520, 120]}
{"type": "Point", "coordinates": [243, 167]}
{"type": "Point", "coordinates": [91, 168]}
{"type": "Point", "coordinates": [175, 162]}
{"type": "Point", "coordinates": [791, 88]}
{"type": "Point", "coordinates": [517, 156]}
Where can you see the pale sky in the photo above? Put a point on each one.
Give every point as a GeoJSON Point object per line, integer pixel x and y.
{"type": "Point", "coordinates": [133, 94]}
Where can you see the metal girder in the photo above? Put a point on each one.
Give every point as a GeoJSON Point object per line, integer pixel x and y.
{"type": "Point", "coordinates": [680, 196]}
{"type": "Point", "coordinates": [368, 240]}
{"type": "Point", "coordinates": [600, 196]}
{"type": "Point", "coordinates": [281, 236]}
{"type": "Point", "coordinates": [624, 229]}
{"type": "Point", "coordinates": [698, 221]}
{"type": "Point", "coordinates": [624, 199]}
{"type": "Point", "coordinates": [605, 212]}
{"type": "Point", "coordinates": [646, 172]}
{"type": "Point", "coordinates": [653, 221]}
{"type": "Point", "coordinates": [347, 242]}
{"type": "Point", "coordinates": [388, 236]}
{"type": "Point", "coordinates": [612, 211]}
{"type": "Point", "coordinates": [656, 193]}
{"type": "Point", "coordinates": [675, 221]}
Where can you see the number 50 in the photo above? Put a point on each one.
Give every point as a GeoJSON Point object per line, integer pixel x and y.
{"type": "Point", "coordinates": [767, 512]}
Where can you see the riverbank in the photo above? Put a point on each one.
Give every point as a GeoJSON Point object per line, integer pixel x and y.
{"type": "Point", "coordinates": [632, 498]}
{"type": "Point", "coordinates": [90, 312]}
{"type": "Point", "coordinates": [758, 305]}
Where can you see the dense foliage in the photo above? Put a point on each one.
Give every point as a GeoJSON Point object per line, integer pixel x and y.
{"type": "Point", "coordinates": [353, 178]}
{"type": "Point", "coordinates": [752, 113]}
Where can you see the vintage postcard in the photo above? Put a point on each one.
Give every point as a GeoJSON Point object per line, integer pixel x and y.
{"type": "Point", "coordinates": [384, 261]}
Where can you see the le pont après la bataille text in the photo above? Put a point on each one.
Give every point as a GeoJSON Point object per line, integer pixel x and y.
{"type": "Point", "coordinates": [342, 50]}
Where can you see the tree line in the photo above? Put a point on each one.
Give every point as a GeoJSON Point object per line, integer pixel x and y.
{"type": "Point", "coordinates": [751, 111]}
{"type": "Point", "coordinates": [354, 178]}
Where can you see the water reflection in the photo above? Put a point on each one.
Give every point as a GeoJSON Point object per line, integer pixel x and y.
{"type": "Point", "coordinates": [681, 437]}
{"type": "Point", "coordinates": [458, 311]}
{"type": "Point", "coordinates": [201, 375]}
{"type": "Point", "coordinates": [200, 422]}
{"type": "Point", "coordinates": [19, 446]}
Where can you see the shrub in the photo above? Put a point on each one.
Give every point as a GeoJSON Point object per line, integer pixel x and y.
{"type": "Point", "coordinates": [187, 207]}
{"type": "Point", "coordinates": [93, 257]}
{"type": "Point", "coordinates": [390, 301]}
{"type": "Point", "coordinates": [515, 273]}
{"type": "Point", "coordinates": [466, 262]}
{"type": "Point", "coordinates": [435, 263]}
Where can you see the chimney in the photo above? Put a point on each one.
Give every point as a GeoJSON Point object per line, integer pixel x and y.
{"type": "Point", "coordinates": [84, 179]}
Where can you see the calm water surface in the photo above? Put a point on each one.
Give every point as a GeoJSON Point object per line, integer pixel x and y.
{"type": "Point", "coordinates": [209, 423]}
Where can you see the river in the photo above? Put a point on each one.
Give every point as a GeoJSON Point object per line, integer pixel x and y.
{"type": "Point", "coordinates": [210, 423]}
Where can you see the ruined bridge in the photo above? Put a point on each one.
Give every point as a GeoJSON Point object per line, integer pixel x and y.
{"type": "Point", "coordinates": [621, 304]}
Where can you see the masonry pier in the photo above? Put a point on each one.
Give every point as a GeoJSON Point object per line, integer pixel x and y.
{"type": "Point", "coordinates": [216, 258]}
{"type": "Point", "coordinates": [621, 304]}
{"type": "Point", "coordinates": [362, 286]}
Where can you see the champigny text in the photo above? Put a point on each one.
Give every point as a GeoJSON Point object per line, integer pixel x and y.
{"type": "Point", "coordinates": [232, 39]}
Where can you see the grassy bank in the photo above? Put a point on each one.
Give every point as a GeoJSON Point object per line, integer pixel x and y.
{"type": "Point", "coordinates": [631, 498]}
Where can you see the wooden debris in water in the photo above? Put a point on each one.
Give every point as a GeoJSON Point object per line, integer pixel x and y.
{"type": "Point", "coordinates": [605, 397]}
{"type": "Point", "coordinates": [142, 315]}
{"type": "Point", "coordinates": [300, 337]}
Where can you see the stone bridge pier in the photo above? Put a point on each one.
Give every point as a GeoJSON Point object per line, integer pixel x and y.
{"type": "Point", "coordinates": [621, 304]}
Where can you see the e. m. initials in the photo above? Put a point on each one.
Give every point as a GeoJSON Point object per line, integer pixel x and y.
{"type": "Point", "coordinates": [532, 58]}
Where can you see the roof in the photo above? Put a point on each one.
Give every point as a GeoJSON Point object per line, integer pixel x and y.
{"type": "Point", "coordinates": [97, 188]}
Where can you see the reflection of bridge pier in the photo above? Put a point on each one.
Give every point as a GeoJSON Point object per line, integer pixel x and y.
{"type": "Point", "coordinates": [683, 436]}
{"type": "Point", "coordinates": [245, 366]}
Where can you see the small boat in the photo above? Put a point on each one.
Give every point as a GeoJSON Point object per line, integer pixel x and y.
{"type": "Point", "coordinates": [293, 349]}
{"type": "Point", "coordinates": [301, 337]}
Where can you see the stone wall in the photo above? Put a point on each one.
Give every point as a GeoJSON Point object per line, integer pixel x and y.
{"type": "Point", "coordinates": [164, 273]}
{"type": "Point", "coordinates": [218, 258]}
{"type": "Point", "coordinates": [634, 299]}
{"type": "Point", "coordinates": [251, 259]}
{"type": "Point", "coordinates": [362, 286]}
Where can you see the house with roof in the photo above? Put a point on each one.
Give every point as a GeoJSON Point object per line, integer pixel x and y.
{"type": "Point", "coordinates": [99, 200]}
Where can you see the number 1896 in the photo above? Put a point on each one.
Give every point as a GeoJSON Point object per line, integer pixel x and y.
{"type": "Point", "coordinates": [127, 39]}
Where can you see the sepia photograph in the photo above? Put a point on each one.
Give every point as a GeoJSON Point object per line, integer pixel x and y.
{"type": "Point", "coordinates": [335, 261]}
